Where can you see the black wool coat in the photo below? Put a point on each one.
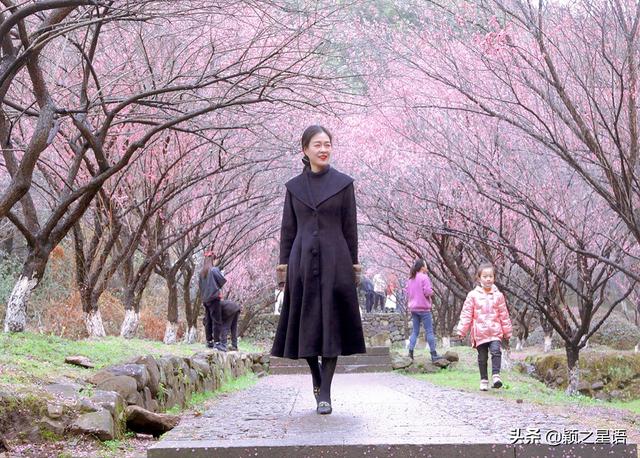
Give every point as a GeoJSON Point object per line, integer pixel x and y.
{"type": "Point", "coordinates": [320, 315]}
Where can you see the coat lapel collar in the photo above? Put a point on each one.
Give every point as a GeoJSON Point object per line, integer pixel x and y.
{"type": "Point", "coordinates": [334, 183]}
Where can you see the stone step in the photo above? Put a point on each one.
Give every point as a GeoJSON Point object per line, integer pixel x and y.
{"type": "Point", "coordinates": [342, 360]}
{"type": "Point", "coordinates": [265, 448]}
{"type": "Point", "coordinates": [340, 369]}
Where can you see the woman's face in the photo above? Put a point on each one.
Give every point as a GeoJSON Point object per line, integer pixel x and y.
{"type": "Point", "coordinates": [319, 151]}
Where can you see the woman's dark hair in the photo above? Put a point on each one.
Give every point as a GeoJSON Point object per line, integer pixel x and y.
{"type": "Point", "coordinates": [207, 264]}
{"type": "Point", "coordinates": [307, 135]}
{"type": "Point", "coordinates": [419, 264]}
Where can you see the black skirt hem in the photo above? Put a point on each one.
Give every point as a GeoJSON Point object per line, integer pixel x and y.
{"type": "Point", "coordinates": [344, 353]}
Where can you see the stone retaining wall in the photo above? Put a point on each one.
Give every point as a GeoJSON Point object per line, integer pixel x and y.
{"type": "Point", "coordinates": [380, 329]}
{"type": "Point", "coordinates": [385, 329]}
{"type": "Point", "coordinates": [97, 407]}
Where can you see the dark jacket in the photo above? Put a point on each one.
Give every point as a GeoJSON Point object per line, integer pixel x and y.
{"type": "Point", "coordinates": [211, 284]}
{"type": "Point", "coordinates": [229, 308]}
{"type": "Point", "coordinates": [319, 243]}
{"type": "Point", "coordinates": [366, 285]}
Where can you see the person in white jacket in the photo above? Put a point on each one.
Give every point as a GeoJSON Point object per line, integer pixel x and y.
{"type": "Point", "coordinates": [380, 290]}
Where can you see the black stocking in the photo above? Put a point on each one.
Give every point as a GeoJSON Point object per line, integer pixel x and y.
{"type": "Point", "coordinates": [315, 370]}
{"type": "Point", "coordinates": [328, 369]}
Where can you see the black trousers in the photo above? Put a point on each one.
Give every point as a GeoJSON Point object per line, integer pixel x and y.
{"type": "Point", "coordinates": [212, 320]}
{"type": "Point", "coordinates": [378, 302]}
{"type": "Point", "coordinates": [368, 300]}
{"type": "Point", "coordinates": [231, 325]}
{"type": "Point", "coordinates": [493, 347]}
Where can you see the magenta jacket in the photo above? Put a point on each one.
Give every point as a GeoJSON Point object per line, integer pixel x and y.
{"type": "Point", "coordinates": [419, 291]}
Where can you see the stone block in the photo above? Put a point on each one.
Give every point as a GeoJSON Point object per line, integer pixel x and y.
{"type": "Point", "coordinates": [124, 385]}
{"type": "Point", "coordinates": [99, 424]}
{"type": "Point", "coordinates": [109, 400]}
{"type": "Point", "coordinates": [54, 410]}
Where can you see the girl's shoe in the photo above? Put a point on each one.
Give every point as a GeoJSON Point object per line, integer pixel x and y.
{"type": "Point", "coordinates": [411, 354]}
{"type": "Point", "coordinates": [484, 385]}
{"type": "Point", "coordinates": [324, 408]}
{"type": "Point", "coordinates": [435, 356]}
{"type": "Point", "coordinates": [497, 383]}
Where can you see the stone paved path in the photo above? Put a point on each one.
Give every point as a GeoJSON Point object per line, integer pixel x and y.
{"type": "Point", "coordinates": [377, 408]}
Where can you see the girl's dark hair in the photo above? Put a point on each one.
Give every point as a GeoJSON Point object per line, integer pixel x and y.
{"type": "Point", "coordinates": [207, 265]}
{"type": "Point", "coordinates": [307, 135]}
{"type": "Point", "coordinates": [419, 264]}
{"type": "Point", "coordinates": [482, 266]}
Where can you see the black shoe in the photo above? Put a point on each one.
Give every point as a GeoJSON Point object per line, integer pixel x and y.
{"type": "Point", "coordinates": [324, 408]}
{"type": "Point", "coordinates": [233, 348]}
{"type": "Point", "coordinates": [435, 356]}
{"type": "Point", "coordinates": [411, 354]}
{"type": "Point", "coordinates": [220, 346]}
{"type": "Point", "coordinates": [209, 344]}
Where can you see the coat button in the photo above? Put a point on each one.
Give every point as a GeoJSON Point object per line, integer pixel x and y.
{"type": "Point", "coordinates": [314, 251]}
{"type": "Point", "coordinates": [316, 272]}
{"type": "Point", "coordinates": [315, 233]}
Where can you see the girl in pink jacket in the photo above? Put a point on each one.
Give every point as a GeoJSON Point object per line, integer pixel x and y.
{"type": "Point", "coordinates": [485, 314]}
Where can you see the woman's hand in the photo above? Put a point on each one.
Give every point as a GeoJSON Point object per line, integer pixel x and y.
{"type": "Point", "coordinates": [281, 274]}
{"type": "Point", "coordinates": [357, 273]}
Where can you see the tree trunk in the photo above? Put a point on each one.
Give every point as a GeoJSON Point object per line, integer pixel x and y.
{"type": "Point", "coordinates": [191, 307]}
{"type": "Point", "coordinates": [637, 348]}
{"type": "Point", "coordinates": [7, 244]}
{"type": "Point", "coordinates": [507, 362]}
{"type": "Point", "coordinates": [130, 324]}
{"type": "Point", "coordinates": [446, 343]}
{"type": "Point", "coordinates": [93, 322]}
{"type": "Point", "coordinates": [131, 320]}
{"type": "Point", "coordinates": [573, 354]}
{"type": "Point", "coordinates": [92, 315]}
{"type": "Point", "coordinates": [15, 319]}
{"type": "Point", "coordinates": [519, 344]}
{"type": "Point", "coordinates": [170, 333]}
{"type": "Point", "coordinates": [547, 343]}
{"type": "Point", "coordinates": [191, 336]}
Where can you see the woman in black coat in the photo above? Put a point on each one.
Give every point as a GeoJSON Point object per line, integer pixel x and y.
{"type": "Point", "coordinates": [319, 259]}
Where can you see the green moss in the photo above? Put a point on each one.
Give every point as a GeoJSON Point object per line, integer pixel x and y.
{"type": "Point", "coordinates": [49, 436]}
{"type": "Point", "coordinates": [229, 385]}
{"type": "Point", "coordinates": [23, 404]}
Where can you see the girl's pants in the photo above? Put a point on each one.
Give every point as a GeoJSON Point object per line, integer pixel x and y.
{"type": "Point", "coordinates": [484, 349]}
{"type": "Point", "coordinates": [427, 321]}
{"type": "Point", "coordinates": [230, 325]}
{"type": "Point", "coordinates": [212, 320]}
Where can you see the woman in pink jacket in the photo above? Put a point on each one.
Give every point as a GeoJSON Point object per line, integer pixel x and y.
{"type": "Point", "coordinates": [419, 292]}
{"type": "Point", "coordinates": [485, 313]}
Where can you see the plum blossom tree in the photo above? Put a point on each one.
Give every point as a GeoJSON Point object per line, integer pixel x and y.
{"type": "Point", "coordinates": [124, 86]}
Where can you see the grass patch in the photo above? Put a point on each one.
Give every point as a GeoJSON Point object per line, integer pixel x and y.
{"type": "Point", "coordinates": [198, 400]}
{"type": "Point", "coordinates": [30, 358]}
{"type": "Point", "coordinates": [250, 347]}
{"type": "Point", "coordinates": [465, 376]}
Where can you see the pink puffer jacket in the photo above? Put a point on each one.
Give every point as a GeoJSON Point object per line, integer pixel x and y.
{"type": "Point", "coordinates": [487, 316]}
